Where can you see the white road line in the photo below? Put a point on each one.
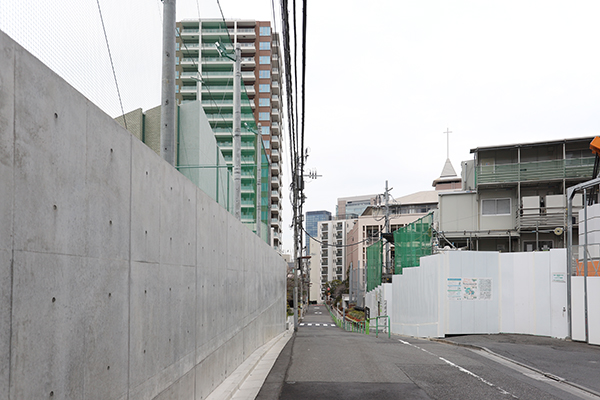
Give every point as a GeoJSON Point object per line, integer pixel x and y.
{"type": "Point", "coordinates": [461, 369]}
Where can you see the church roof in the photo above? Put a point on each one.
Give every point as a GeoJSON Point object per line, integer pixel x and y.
{"type": "Point", "coordinates": [448, 170]}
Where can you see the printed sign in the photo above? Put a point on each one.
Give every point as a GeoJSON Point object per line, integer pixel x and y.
{"type": "Point", "coordinates": [469, 288]}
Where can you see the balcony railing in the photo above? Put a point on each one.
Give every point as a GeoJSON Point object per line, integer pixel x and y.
{"type": "Point", "coordinates": [536, 171]}
{"type": "Point", "coordinates": [543, 218]}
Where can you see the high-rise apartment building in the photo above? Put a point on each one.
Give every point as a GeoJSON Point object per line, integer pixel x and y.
{"type": "Point", "coordinates": [312, 221]}
{"type": "Point", "coordinates": [203, 73]}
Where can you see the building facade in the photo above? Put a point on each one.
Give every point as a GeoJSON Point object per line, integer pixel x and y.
{"type": "Point", "coordinates": [513, 196]}
{"type": "Point", "coordinates": [205, 74]}
{"type": "Point", "coordinates": [332, 236]}
{"type": "Point", "coordinates": [312, 225]}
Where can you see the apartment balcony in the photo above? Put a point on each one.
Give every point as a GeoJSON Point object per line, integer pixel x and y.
{"type": "Point", "coordinates": [577, 168]}
{"type": "Point", "coordinates": [250, 91]}
{"type": "Point", "coordinates": [214, 32]}
{"type": "Point", "coordinates": [188, 61]}
{"type": "Point", "coordinates": [274, 114]}
{"type": "Point", "coordinates": [275, 87]}
{"type": "Point", "coordinates": [275, 128]}
{"type": "Point", "coordinates": [207, 76]}
{"type": "Point", "coordinates": [275, 181]}
{"type": "Point", "coordinates": [544, 218]}
{"type": "Point", "coordinates": [191, 32]}
{"type": "Point", "coordinates": [248, 62]}
{"type": "Point", "coordinates": [275, 101]}
{"type": "Point", "coordinates": [275, 155]}
{"type": "Point", "coordinates": [275, 142]}
{"type": "Point", "coordinates": [275, 170]}
{"type": "Point", "coordinates": [216, 61]}
{"type": "Point", "coordinates": [188, 89]}
{"type": "Point", "coordinates": [275, 195]}
{"type": "Point", "coordinates": [189, 76]}
{"type": "Point", "coordinates": [185, 46]}
{"type": "Point", "coordinates": [276, 223]}
{"type": "Point", "coordinates": [248, 188]}
{"type": "Point", "coordinates": [216, 89]}
{"type": "Point", "coordinates": [274, 60]}
{"type": "Point", "coordinates": [274, 209]}
{"type": "Point", "coordinates": [248, 160]}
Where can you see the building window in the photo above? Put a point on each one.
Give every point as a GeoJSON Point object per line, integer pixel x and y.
{"type": "Point", "coordinates": [267, 144]}
{"type": "Point", "coordinates": [264, 116]}
{"type": "Point", "coordinates": [264, 88]}
{"type": "Point", "coordinates": [264, 31]}
{"type": "Point", "coordinates": [264, 74]}
{"type": "Point", "coordinates": [264, 102]}
{"type": "Point", "coordinates": [495, 207]}
{"type": "Point", "coordinates": [264, 46]}
{"type": "Point", "coordinates": [266, 130]}
{"type": "Point", "coordinates": [264, 60]}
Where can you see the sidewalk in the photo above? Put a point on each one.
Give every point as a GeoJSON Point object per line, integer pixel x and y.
{"type": "Point", "coordinates": [575, 363]}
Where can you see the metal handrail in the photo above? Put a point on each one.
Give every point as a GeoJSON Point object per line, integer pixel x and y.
{"type": "Point", "coordinates": [377, 325]}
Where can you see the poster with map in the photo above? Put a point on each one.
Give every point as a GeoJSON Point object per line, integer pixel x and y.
{"type": "Point", "coordinates": [469, 288]}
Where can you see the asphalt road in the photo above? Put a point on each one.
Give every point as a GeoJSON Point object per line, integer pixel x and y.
{"type": "Point", "coordinates": [323, 361]}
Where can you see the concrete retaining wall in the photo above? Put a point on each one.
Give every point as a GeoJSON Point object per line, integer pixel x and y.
{"type": "Point", "coordinates": [119, 279]}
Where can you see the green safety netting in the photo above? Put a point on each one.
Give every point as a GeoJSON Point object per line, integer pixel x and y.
{"type": "Point", "coordinates": [374, 265]}
{"type": "Point", "coordinates": [412, 242]}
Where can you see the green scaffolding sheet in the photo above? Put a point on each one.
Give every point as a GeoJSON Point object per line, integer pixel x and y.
{"type": "Point", "coordinates": [412, 242]}
{"type": "Point", "coordinates": [374, 265]}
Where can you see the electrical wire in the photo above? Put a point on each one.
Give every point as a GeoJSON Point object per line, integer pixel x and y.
{"type": "Point", "coordinates": [337, 245]}
{"type": "Point", "coordinates": [112, 64]}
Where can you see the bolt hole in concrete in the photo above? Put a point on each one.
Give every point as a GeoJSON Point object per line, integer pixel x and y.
{"type": "Point", "coordinates": [51, 394]}
{"type": "Point", "coordinates": [55, 207]}
{"type": "Point", "coordinates": [109, 294]}
{"type": "Point", "coordinates": [55, 115]}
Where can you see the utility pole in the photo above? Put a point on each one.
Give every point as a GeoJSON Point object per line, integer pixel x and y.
{"type": "Point", "coordinates": [168, 106]}
{"type": "Point", "coordinates": [259, 181]}
{"type": "Point", "coordinates": [387, 228]}
{"type": "Point", "coordinates": [237, 134]}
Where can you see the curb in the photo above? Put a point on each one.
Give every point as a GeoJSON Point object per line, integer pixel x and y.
{"type": "Point", "coordinates": [520, 364]}
{"type": "Point", "coordinates": [233, 383]}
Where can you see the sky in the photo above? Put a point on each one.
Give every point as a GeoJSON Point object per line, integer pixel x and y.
{"type": "Point", "coordinates": [384, 79]}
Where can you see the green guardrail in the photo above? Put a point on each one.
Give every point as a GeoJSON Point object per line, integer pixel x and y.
{"type": "Point", "coordinates": [349, 325]}
{"type": "Point", "coordinates": [377, 325]}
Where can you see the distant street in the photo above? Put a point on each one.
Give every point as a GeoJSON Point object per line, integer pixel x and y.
{"type": "Point", "coordinates": [326, 362]}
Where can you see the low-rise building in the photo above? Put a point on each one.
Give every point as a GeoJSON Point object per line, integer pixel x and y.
{"type": "Point", "coordinates": [513, 196]}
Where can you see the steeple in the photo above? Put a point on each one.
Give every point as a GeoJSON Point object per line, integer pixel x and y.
{"type": "Point", "coordinates": [448, 179]}
{"type": "Point", "coordinates": [448, 170]}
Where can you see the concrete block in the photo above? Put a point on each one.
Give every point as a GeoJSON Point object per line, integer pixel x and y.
{"type": "Point", "coordinates": [146, 183]}
{"type": "Point", "coordinates": [212, 232]}
{"type": "Point", "coordinates": [7, 95]}
{"type": "Point", "coordinates": [50, 138]}
{"type": "Point", "coordinates": [182, 389]}
{"type": "Point", "coordinates": [162, 324]}
{"type": "Point", "coordinates": [210, 373]}
{"type": "Point", "coordinates": [69, 327]}
{"type": "Point", "coordinates": [5, 320]}
{"type": "Point", "coordinates": [108, 197]}
{"type": "Point", "coordinates": [177, 219]}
